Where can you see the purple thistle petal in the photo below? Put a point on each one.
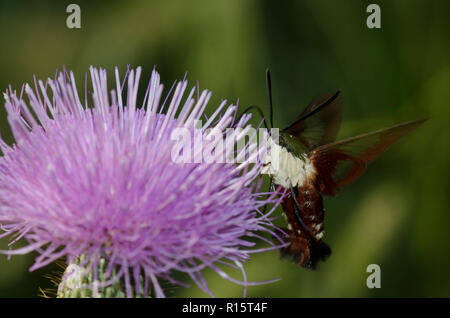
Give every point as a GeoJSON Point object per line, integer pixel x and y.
{"type": "Point", "coordinates": [100, 181]}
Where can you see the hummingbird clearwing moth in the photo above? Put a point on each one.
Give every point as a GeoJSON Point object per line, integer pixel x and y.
{"type": "Point", "coordinates": [312, 164]}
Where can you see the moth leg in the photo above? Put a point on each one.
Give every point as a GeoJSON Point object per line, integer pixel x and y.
{"type": "Point", "coordinates": [272, 185]}
{"type": "Point", "coordinates": [271, 189]}
{"type": "Point", "coordinates": [297, 208]}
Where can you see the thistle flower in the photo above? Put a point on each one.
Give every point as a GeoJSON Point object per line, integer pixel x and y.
{"type": "Point", "coordinates": [97, 185]}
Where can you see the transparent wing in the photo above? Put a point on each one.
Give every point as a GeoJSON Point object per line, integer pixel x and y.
{"type": "Point", "coordinates": [342, 162]}
{"type": "Point", "coordinates": [319, 123]}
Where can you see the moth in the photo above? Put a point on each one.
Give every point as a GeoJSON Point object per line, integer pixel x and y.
{"type": "Point", "coordinates": [311, 164]}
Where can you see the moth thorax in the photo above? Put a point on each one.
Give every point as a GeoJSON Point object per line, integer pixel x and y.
{"type": "Point", "coordinates": [286, 168]}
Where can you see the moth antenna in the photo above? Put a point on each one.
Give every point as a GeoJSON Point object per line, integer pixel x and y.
{"type": "Point", "coordinates": [269, 94]}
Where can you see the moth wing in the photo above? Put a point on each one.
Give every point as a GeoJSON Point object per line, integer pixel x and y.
{"type": "Point", "coordinates": [340, 163]}
{"type": "Point", "coordinates": [319, 123]}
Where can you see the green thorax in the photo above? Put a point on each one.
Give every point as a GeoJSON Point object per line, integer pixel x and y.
{"type": "Point", "coordinates": [292, 144]}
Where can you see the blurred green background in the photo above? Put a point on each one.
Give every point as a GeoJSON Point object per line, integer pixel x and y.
{"type": "Point", "coordinates": [397, 215]}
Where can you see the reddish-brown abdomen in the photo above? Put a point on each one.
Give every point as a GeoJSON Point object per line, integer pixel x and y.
{"type": "Point", "coordinates": [306, 246]}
